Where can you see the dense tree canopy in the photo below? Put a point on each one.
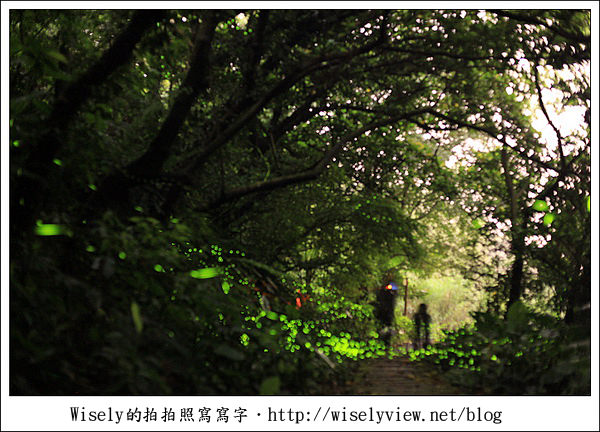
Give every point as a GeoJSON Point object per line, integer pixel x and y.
{"type": "Point", "coordinates": [196, 189]}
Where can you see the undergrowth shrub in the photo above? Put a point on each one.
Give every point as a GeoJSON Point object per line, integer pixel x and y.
{"type": "Point", "coordinates": [523, 354]}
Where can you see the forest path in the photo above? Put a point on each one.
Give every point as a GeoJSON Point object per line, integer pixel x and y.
{"type": "Point", "coordinates": [399, 376]}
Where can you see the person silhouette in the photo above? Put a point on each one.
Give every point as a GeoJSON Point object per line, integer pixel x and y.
{"type": "Point", "coordinates": [385, 304]}
{"type": "Point", "coordinates": [422, 322]}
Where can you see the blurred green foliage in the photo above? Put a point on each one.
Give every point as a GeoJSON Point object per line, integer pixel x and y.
{"type": "Point", "coordinates": [525, 353]}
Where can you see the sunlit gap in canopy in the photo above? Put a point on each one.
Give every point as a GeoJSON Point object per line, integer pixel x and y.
{"type": "Point", "coordinates": [568, 127]}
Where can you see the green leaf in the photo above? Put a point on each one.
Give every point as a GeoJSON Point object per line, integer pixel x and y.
{"type": "Point", "coordinates": [540, 205]}
{"type": "Point", "coordinates": [270, 386]}
{"type": "Point", "coordinates": [226, 287]}
{"type": "Point", "coordinates": [273, 316]}
{"type": "Point", "coordinates": [394, 262]}
{"type": "Point", "coordinates": [137, 317]}
{"type": "Point", "coordinates": [56, 55]}
{"type": "Point", "coordinates": [588, 204]}
{"type": "Point", "coordinates": [50, 230]}
{"type": "Point", "coordinates": [548, 219]}
{"type": "Point", "coordinates": [206, 273]}
{"type": "Point", "coordinates": [478, 223]}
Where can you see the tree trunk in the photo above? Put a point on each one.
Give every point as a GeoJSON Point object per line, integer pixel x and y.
{"type": "Point", "coordinates": [516, 273]}
{"type": "Point", "coordinates": [517, 231]}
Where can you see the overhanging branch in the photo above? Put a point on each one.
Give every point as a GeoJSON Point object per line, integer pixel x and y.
{"type": "Point", "coordinates": [325, 61]}
{"type": "Point", "coordinates": [548, 119]}
{"type": "Point", "coordinates": [493, 134]}
{"type": "Point", "coordinates": [310, 173]}
{"type": "Point", "coordinates": [78, 92]}
{"type": "Point", "coordinates": [536, 21]}
{"type": "Point", "coordinates": [195, 82]}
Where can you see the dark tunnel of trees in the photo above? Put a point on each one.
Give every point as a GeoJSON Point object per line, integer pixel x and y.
{"type": "Point", "coordinates": [207, 201]}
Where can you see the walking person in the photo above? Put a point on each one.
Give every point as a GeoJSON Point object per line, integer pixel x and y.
{"type": "Point", "coordinates": [422, 323]}
{"type": "Point", "coordinates": [385, 305]}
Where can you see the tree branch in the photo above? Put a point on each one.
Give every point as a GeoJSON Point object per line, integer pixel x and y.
{"type": "Point", "coordinates": [196, 81]}
{"type": "Point", "coordinates": [350, 107]}
{"type": "Point", "coordinates": [307, 174]}
{"type": "Point", "coordinates": [552, 185]}
{"type": "Point", "coordinates": [257, 46]}
{"type": "Point", "coordinates": [301, 114]}
{"type": "Point", "coordinates": [493, 134]}
{"type": "Point", "coordinates": [550, 122]}
{"type": "Point", "coordinates": [197, 158]}
{"type": "Point", "coordinates": [78, 92]}
{"type": "Point", "coordinates": [535, 20]}
{"type": "Point", "coordinates": [29, 189]}
{"type": "Point", "coordinates": [441, 54]}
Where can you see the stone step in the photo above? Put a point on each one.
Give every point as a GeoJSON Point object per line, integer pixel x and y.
{"type": "Point", "coordinates": [399, 376]}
